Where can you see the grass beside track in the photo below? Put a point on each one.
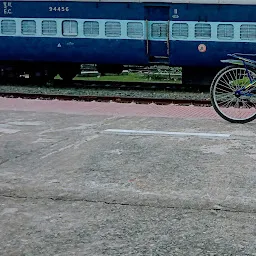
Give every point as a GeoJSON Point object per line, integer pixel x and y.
{"type": "Point", "coordinates": [131, 77]}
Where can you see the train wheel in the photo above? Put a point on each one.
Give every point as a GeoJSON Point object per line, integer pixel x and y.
{"type": "Point", "coordinates": [67, 76]}
{"type": "Point", "coordinates": [111, 69]}
{"type": "Point", "coordinates": [229, 96]}
{"type": "Point", "coordinates": [38, 76]}
{"type": "Point", "coordinates": [51, 73]}
{"type": "Point", "coordinates": [9, 74]}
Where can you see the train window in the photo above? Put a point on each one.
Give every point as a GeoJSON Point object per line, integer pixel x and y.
{"type": "Point", "coordinates": [203, 30]}
{"type": "Point", "coordinates": [159, 30]}
{"type": "Point", "coordinates": [69, 28]}
{"type": "Point", "coordinates": [135, 29]}
{"type": "Point", "coordinates": [28, 27]}
{"type": "Point", "coordinates": [225, 31]}
{"type": "Point", "coordinates": [49, 27]}
{"type": "Point", "coordinates": [112, 29]}
{"type": "Point", "coordinates": [248, 32]}
{"type": "Point", "coordinates": [180, 30]}
{"type": "Point", "coordinates": [91, 28]}
{"type": "Point", "coordinates": [8, 27]}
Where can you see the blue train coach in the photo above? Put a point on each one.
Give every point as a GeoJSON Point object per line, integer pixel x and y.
{"type": "Point", "coordinates": [56, 37]}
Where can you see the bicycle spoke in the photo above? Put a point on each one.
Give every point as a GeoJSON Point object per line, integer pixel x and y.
{"type": "Point", "coordinates": [237, 103]}
{"type": "Point", "coordinates": [229, 96]}
{"type": "Point", "coordinates": [225, 91]}
{"type": "Point", "coordinates": [225, 86]}
{"type": "Point", "coordinates": [225, 97]}
{"type": "Point", "coordinates": [227, 104]}
{"type": "Point", "coordinates": [227, 83]}
{"type": "Point", "coordinates": [245, 104]}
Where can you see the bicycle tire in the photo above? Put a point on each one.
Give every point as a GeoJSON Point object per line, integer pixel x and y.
{"type": "Point", "coordinates": [215, 105]}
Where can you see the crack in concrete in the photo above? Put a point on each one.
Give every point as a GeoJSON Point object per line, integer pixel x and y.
{"type": "Point", "coordinates": [63, 199]}
{"type": "Point", "coordinates": [31, 151]}
{"type": "Point", "coordinates": [4, 161]}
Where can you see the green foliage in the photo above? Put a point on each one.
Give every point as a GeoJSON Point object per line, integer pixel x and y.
{"type": "Point", "coordinates": [156, 74]}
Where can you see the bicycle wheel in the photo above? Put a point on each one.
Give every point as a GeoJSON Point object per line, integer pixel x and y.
{"type": "Point", "coordinates": [229, 97]}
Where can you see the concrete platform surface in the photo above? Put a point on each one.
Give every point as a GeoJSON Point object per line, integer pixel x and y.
{"type": "Point", "coordinates": [75, 183]}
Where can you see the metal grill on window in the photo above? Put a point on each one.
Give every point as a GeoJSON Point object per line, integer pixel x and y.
{"type": "Point", "coordinates": [8, 27]}
{"type": "Point", "coordinates": [180, 30]}
{"type": "Point", "coordinates": [225, 31]}
{"type": "Point", "coordinates": [134, 29]}
{"type": "Point", "coordinates": [70, 28]}
{"type": "Point", "coordinates": [28, 27]}
{"type": "Point", "coordinates": [159, 30]}
{"type": "Point", "coordinates": [248, 32]}
{"type": "Point", "coordinates": [203, 31]}
{"type": "Point", "coordinates": [91, 28]}
{"type": "Point", "coordinates": [112, 29]}
{"type": "Point", "coordinates": [49, 27]}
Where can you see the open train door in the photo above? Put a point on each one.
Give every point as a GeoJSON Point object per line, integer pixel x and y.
{"type": "Point", "coordinates": [158, 36]}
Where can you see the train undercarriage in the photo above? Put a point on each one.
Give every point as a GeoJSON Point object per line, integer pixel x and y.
{"type": "Point", "coordinates": [41, 72]}
{"type": "Point", "coordinates": [44, 72]}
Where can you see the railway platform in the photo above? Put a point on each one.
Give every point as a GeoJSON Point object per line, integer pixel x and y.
{"type": "Point", "coordinates": [89, 178]}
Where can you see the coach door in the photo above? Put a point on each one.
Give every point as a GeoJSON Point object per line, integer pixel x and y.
{"type": "Point", "coordinates": [158, 27]}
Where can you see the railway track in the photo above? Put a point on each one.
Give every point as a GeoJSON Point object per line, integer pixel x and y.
{"type": "Point", "coordinates": [95, 84]}
{"type": "Point", "coordinates": [118, 99]}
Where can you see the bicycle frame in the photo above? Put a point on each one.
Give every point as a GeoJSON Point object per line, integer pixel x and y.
{"type": "Point", "coordinates": [233, 90]}
{"type": "Point", "coordinates": [242, 61]}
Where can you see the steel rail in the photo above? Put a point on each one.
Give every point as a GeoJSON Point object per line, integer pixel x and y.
{"type": "Point", "coordinates": [123, 85]}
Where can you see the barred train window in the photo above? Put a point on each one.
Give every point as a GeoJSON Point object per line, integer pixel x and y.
{"type": "Point", "coordinates": [8, 27]}
{"type": "Point", "coordinates": [202, 30]}
{"type": "Point", "coordinates": [112, 29]}
{"type": "Point", "coordinates": [225, 31]}
{"type": "Point", "coordinates": [159, 30]}
{"type": "Point", "coordinates": [49, 27]}
{"type": "Point", "coordinates": [91, 28]}
{"type": "Point", "coordinates": [248, 32]}
{"type": "Point", "coordinates": [69, 28]}
{"type": "Point", "coordinates": [135, 29]}
{"type": "Point", "coordinates": [180, 30]}
{"type": "Point", "coordinates": [28, 27]}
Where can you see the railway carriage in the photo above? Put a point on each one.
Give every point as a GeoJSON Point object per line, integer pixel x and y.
{"type": "Point", "coordinates": [50, 37]}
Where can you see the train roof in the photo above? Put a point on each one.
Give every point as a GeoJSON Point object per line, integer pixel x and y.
{"type": "Point", "coordinates": [229, 2]}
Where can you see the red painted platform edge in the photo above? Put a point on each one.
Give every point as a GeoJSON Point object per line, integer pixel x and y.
{"type": "Point", "coordinates": [112, 109]}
